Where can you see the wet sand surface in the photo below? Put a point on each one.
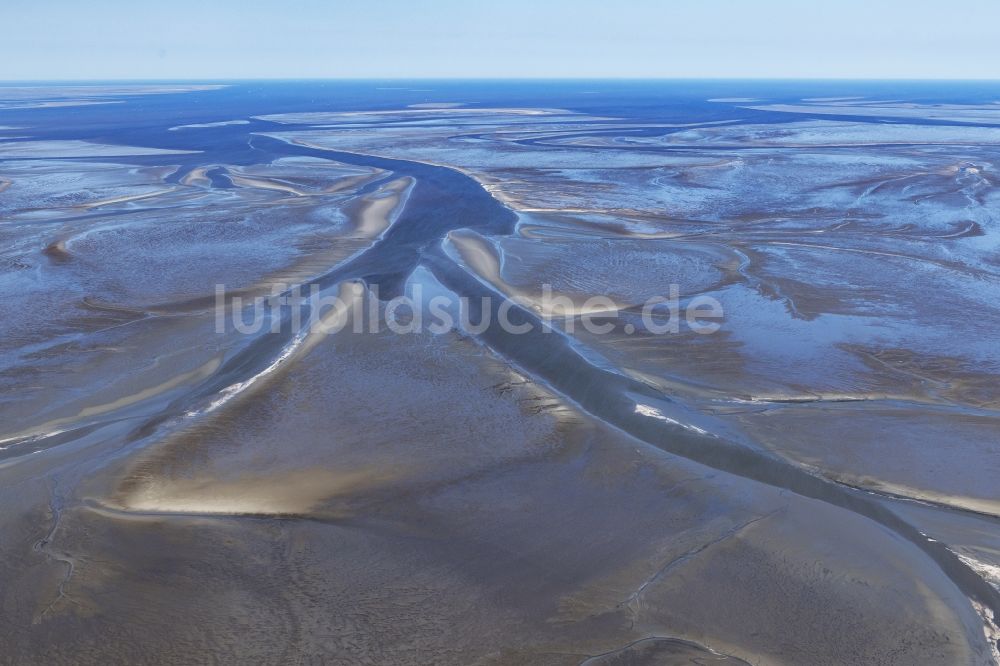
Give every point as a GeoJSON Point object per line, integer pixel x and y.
{"type": "Point", "coordinates": [816, 482]}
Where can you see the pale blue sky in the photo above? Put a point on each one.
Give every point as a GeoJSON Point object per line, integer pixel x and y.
{"type": "Point", "coordinates": [206, 39]}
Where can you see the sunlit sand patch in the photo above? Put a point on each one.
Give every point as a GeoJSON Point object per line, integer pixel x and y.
{"type": "Point", "coordinates": [127, 198]}
{"type": "Point", "coordinates": [266, 184]}
{"type": "Point", "coordinates": [376, 213]}
{"type": "Point", "coordinates": [293, 492]}
{"type": "Point", "coordinates": [985, 506]}
{"type": "Point", "coordinates": [222, 123]}
{"type": "Point", "coordinates": [197, 177]}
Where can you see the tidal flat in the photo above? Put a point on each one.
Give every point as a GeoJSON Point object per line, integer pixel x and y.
{"type": "Point", "coordinates": [815, 480]}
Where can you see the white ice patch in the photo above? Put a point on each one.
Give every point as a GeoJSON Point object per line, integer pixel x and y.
{"type": "Point", "coordinates": [654, 413]}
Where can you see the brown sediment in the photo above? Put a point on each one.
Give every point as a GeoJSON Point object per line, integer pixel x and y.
{"type": "Point", "coordinates": [297, 492]}
{"type": "Point", "coordinates": [57, 252]}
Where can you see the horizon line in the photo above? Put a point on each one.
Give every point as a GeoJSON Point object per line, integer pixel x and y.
{"type": "Point", "coordinates": [509, 79]}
